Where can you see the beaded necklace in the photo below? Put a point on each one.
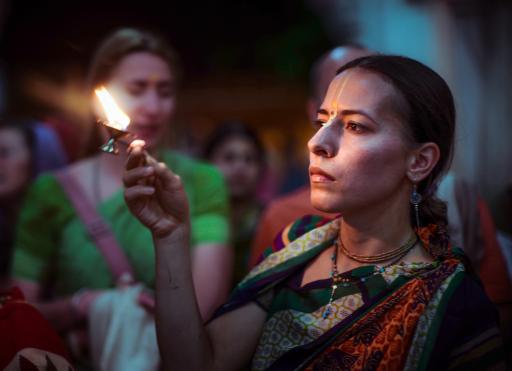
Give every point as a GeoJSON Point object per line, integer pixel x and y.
{"type": "Point", "coordinates": [345, 281]}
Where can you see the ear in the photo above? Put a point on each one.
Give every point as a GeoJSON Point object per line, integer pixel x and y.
{"type": "Point", "coordinates": [422, 160]}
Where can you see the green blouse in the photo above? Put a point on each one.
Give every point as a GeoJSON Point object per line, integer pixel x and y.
{"type": "Point", "coordinates": [51, 239]}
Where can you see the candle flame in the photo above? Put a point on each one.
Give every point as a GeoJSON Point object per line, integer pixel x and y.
{"type": "Point", "coordinates": [116, 118]}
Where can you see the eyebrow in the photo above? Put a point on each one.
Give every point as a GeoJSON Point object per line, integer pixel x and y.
{"type": "Point", "coordinates": [347, 112]}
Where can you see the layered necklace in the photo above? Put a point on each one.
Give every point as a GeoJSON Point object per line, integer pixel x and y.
{"type": "Point", "coordinates": [344, 280]}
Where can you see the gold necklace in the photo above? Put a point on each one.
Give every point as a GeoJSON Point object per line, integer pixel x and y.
{"type": "Point", "coordinates": [379, 258]}
{"type": "Point", "coordinates": [346, 280]}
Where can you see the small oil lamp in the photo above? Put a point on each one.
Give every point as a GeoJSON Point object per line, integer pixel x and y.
{"type": "Point", "coordinates": [116, 123]}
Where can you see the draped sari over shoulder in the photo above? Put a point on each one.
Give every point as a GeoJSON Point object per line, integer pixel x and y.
{"type": "Point", "coordinates": [388, 320]}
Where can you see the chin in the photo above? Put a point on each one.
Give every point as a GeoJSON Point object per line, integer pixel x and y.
{"type": "Point", "coordinates": [324, 203]}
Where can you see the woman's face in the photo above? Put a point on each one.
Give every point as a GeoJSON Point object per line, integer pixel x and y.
{"type": "Point", "coordinates": [359, 155]}
{"type": "Point", "coordinates": [237, 159]}
{"type": "Point", "coordinates": [15, 163]}
{"type": "Point", "coordinates": [144, 86]}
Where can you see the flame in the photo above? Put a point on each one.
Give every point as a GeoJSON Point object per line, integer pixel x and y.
{"type": "Point", "coordinates": [116, 118]}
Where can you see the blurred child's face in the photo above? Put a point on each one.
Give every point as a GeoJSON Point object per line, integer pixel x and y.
{"type": "Point", "coordinates": [144, 86]}
{"type": "Point", "coordinates": [237, 159]}
{"type": "Point", "coordinates": [14, 163]}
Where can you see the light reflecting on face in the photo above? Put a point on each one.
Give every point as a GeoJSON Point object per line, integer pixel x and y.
{"type": "Point", "coordinates": [237, 159]}
{"type": "Point", "coordinates": [14, 163]}
{"type": "Point", "coordinates": [357, 159]}
{"type": "Point", "coordinates": [144, 87]}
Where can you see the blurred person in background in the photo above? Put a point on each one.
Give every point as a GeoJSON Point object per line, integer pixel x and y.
{"type": "Point", "coordinates": [62, 262]}
{"type": "Point", "coordinates": [237, 151]}
{"type": "Point", "coordinates": [16, 171]}
{"type": "Point", "coordinates": [471, 226]}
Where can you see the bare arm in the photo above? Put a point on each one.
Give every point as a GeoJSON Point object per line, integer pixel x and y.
{"type": "Point", "coordinates": [61, 312]}
{"type": "Point", "coordinates": [185, 343]}
{"type": "Point", "coordinates": [212, 275]}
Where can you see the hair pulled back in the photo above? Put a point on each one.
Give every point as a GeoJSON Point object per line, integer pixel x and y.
{"type": "Point", "coordinates": [123, 42]}
{"type": "Point", "coordinates": [426, 104]}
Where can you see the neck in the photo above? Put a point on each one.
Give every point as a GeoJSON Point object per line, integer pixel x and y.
{"type": "Point", "coordinates": [375, 230]}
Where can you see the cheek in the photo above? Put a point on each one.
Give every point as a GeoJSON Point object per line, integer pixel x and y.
{"type": "Point", "coordinates": [168, 108]}
{"type": "Point", "coordinates": [224, 166]}
{"type": "Point", "coordinates": [376, 163]}
{"type": "Point", "coordinates": [17, 173]}
{"type": "Point", "coordinates": [130, 105]}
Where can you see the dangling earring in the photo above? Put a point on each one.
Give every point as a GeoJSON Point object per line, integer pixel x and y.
{"type": "Point", "coordinates": [415, 201]}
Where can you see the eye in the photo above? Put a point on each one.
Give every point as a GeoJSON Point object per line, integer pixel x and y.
{"type": "Point", "coordinates": [166, 90]}
{"type": "Point", "coordinates": [355, 127]}
{"type": "Point", "coordinates": [135, 89]}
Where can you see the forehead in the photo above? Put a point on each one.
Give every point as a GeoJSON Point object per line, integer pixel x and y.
{"type": "Point", "coordinates": [142, 65]}
{"type": "Point", "coordinates": [358, 89]}
{"type": "Point", "coordinates": [237, 143]}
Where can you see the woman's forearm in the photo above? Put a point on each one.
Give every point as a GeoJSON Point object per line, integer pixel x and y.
{"type": "Point", "coordinates": [60, 313]}
{"type": "Point", "coordinates": [182, 338]}
{"type": "Point", "coordinates": [212, 265]}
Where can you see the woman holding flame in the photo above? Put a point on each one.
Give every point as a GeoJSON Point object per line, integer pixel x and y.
{"type": "Point", "coordinates": [141, 72]}
{"type": "Point", "coordinates": [379, 288]}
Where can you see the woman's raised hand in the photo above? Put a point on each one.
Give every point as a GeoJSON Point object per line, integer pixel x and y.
{"type": "Point", "coordinates": [153, 193]}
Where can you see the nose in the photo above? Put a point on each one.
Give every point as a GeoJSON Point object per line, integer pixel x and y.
{"type": "Point", "coordinates": [151, 103]}
{"type": "Point", "coordinates": [324, 143]}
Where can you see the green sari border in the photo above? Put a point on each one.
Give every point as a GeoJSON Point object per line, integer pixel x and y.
{"type": "Point", "coordinates": [293, 262]}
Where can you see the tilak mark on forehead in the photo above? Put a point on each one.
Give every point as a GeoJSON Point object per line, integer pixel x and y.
{"type": "Point", "coordinates": [333, 110]}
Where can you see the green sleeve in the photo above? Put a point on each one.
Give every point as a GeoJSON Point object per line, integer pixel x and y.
{"type": "Point", "coordinates": [210, 209]}
{"type": "Point", "coordinates": [37, 233]}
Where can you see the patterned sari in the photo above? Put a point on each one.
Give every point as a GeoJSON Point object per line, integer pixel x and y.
{"type": "Point", "coordinates": [388, 320]}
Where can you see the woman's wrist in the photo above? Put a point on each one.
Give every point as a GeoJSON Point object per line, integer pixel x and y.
{"type": "Point", "coordinates": [76, 303]}
{"type": "Point", "coordinates": [180, 234]}
{"type": "Point", "coordinates": [81, 302]}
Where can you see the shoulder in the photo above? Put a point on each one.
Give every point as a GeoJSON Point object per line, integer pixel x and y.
{"type": "Point", "coordinates": [45, 186]}
{"type": "Point", "coordinates": [469, 301]}
{"type": "Point", "coordinates": [45, 198]}
{"type": "Point", "coordinates": [295, 230]}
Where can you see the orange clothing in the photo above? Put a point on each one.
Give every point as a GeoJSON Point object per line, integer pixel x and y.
{"type": "Point", "coordinates": [492, 270]}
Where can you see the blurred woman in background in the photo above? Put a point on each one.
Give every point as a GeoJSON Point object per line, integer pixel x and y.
{"type": "Point", "coordinates": [57, 249]}
{"type": "Point", "coordinates": [237, 151]}
{"type": "Point", "coordinates": [16, 170]}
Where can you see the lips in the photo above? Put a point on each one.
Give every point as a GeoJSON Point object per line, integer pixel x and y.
{"type": "Point", "coordinates": [317, 175]}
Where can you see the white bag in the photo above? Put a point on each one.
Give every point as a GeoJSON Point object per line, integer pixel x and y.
{"type": "Point", "coordinates": [122, 333]}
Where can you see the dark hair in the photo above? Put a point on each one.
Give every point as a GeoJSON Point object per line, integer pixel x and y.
{"type": "Point", "coordinates": [233, 129]}
{"type": "Point", "coordinates": [125, 41]}
{"type": "Point", "coordinates": [429, 114]}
